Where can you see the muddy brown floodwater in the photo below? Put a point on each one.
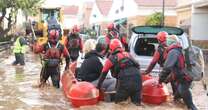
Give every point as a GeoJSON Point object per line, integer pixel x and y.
{"type": "Point", "coordinates": [18, 91]}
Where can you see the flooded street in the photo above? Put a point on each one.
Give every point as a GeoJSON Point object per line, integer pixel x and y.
{"type": "Point", "coordinates": [18, 91]}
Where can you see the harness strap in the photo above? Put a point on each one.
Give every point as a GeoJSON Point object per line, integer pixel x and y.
{"type": "Point", "coordinates": [57, 44]}
{"type": "Point", "coordinates": [49, 45]}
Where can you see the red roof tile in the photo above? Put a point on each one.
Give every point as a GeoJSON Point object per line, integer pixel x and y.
{"type": "Point", "coordinates": [104, 6]}
{"type": "Point", "coordinates": [156, 3]}
{"type": "Point", "coordinates": [71, 10]}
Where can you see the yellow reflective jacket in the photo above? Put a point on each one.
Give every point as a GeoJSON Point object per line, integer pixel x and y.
{"type": "Point", "coordinates": [18, 48]}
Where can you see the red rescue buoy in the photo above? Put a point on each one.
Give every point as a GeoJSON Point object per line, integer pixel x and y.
{"type": "Point", "coordinates": [154, 93]}
{"type": "Point", "coordinates": [83, 93]}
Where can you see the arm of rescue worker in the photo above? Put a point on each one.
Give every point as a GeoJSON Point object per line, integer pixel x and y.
{"type": "Point", "coordinates": [135, 62]}
{"type": "Point", "coordinates": [124, 39]}
{"type": "Point", "coordinates": [38, 48]}
{"type": "Point", "coordinates": [66, 55]}
{"type": "Point", "coordinates": [66, 41]}
{"type": "Point", "coordinates": [107, 66]}
{"type": "Point", "coordinates": [65, 52]}
{"type": "Point", "coordinates": [168, 65]}
{"type": "Point", "coordinates": [154, 61]}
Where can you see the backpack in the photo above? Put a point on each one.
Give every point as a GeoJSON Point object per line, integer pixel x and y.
{"type": "Point", "coordinates": [73, 42]}
{"type": "Point", "coordinates": [194, 63]}
{"type": "Point", "coordinates": [127, 61]}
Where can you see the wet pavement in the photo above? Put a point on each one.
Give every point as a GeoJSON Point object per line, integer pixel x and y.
{"type": "Point", "coordinates": [18, 91]}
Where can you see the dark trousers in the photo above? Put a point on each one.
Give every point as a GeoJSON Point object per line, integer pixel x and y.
{"type": "Point", "coordinates": [174, 89]}
{"type": "Point", "coordinates": [74, 54]}
{"type": "Point", "coordinates": [183, 90]}
{"type": "Point", "coordinates": [19, 59]}
{"type": "Point", "coordinates": [129, 84]}
{"type": "Point", "coordinates": [52, 72]}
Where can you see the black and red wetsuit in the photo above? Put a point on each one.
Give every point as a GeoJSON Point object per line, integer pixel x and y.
{"type": "Point", "coordinates": [127, 73]}
{"type": "Point", "coordinates": [52, 58]}
{"type": "Point", "coordinates": [74, 45]}
{"type": "Point", "coordinates": [173, 71]}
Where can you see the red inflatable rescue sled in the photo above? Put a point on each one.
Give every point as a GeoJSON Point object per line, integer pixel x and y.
{"type": "Point", "coordinates": [154, 93]}
{"type": "Point", "coordinates": [73, 66]}
{"type": "Point", "coordinates": [83, 93]}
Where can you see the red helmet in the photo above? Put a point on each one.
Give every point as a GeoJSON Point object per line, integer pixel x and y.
{"type": "Point", "coordinates": [110, 26]}
{"type": "Point", "coordinates": [53, 35]}
{"type": "Point", "coordinates": [161, 36]}
{"type": "Point", "coordinates": [75, 29]}
{"type": "Point", "coordinates": [115, 44]}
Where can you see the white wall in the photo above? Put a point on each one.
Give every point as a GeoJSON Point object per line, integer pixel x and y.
{"type": "Point", "coordinates": [70, 21]}
{"type": "Point", "coordinates": [99, 17]}
{"type": "Point", "coordinates": [199, 24]}
{"type": "Point", "coordinates": [130, 9]}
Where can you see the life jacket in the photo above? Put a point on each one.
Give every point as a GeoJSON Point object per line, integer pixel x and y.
{"type": "Point", "coordinates": [121, 60]}
{"type": "Point", "coordinates": [52, 56]}
{"type": "Point", "coordinates": [73, 42]}
{"type": "Point", "coordinates": [163, 55]}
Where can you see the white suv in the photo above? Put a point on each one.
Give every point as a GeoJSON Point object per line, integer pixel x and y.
{"type": "Point", "coordinates": [143, 44]}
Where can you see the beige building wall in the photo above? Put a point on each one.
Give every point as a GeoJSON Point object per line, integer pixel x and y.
{"type": "Point", "coordinates": [183, 15]}
{"type": "Point", "coordinates": [183, 2]}
{"type": "Point", "coordinates": [141, 20]}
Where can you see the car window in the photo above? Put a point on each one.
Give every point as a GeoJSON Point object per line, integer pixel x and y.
{"type": "Point", "coordinates": [146, 46]}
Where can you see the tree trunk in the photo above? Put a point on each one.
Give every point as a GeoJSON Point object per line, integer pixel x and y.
{"type": "Point", "coordinates": [3, 15]}
{"type": "Point", "coordinates": [3, 32]}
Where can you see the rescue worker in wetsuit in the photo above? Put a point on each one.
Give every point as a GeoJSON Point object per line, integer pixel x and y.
{"type": "Point", "coordinates": [123, 35]}
{"type": "Point", "coordinates": [160, 54]}
{"type": "Point", "coordinates": [126, 71]}
{"type": "Point", "coordinates": [74, 45]}
{"type": "Point", "coordinates": [112, 33]}
{"type": "Point", "coordinates": [88, 72]}
{"type": "Point", "coordinates": [53, 51]}
{"type": "Point", "coordinates": [19, 49]}
{"type": "Point", "coordinates": [173, 70]}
